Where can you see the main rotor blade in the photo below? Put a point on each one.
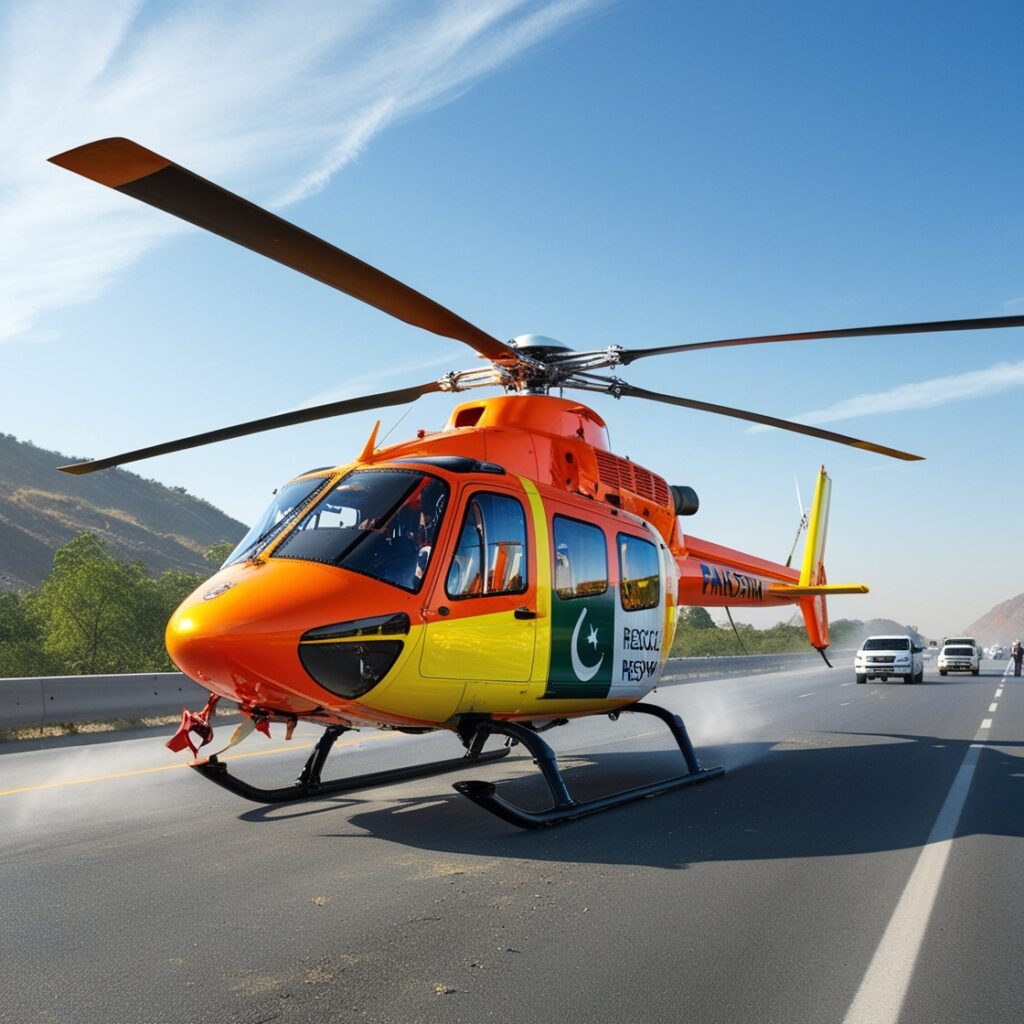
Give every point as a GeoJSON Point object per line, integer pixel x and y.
{"type": "Point", "coordinates": [144, 175]}
{"type": "Point", "coordinates": [285, 419]}
{"type": "Point", "coordinates": [628, 391]}
{"type": "Point", "coordinates": [628, 356]}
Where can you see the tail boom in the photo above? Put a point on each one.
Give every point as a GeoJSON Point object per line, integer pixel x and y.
{"type": "Point", "coordinates": [711, 575]}
{"type": "Point", "coordinates": [714, 576]}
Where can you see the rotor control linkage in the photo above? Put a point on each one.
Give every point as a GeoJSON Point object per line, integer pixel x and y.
{"type": "Point", "coordinates": [309, 783]}
{"type": "Point", "coordinates": [564, 807]}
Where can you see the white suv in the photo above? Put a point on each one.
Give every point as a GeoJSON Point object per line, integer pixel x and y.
{"type": "Point", "coordinates": [960, 640]}
{"type": "Point", "coordinates": [884, 656]}
{"type": "Point", "coordinates": [959, 658]}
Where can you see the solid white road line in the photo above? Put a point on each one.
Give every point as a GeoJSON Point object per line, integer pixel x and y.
{"type": "Point", "coordinates": [880, 997]}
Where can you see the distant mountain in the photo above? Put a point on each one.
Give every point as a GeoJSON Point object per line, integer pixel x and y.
{"type": "Point", "coordinates": [42, 509]}
{"type": "Point", "coordinates": [1003, 624]}
{"type": "Point", "coordinates": [888, 627]}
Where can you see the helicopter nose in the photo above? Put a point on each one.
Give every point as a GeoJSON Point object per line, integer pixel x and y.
{"type": "Point", "coordinates": [240, 633]}
{"type": "Point", "coordinates": [194, 643]}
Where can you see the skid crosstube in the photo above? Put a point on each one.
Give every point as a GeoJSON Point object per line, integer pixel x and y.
{"type": "Point", "coordinates": [309, 784]}
{"type": "Point", "coordinates": [564, 807]}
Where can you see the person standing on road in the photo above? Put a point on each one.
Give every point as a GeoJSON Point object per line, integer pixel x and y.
{"type": "Point", "coordinates": [1017, 652]}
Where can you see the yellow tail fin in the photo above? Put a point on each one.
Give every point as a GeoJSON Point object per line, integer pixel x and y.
{"type": "Point", "coordinates": [812, 586]}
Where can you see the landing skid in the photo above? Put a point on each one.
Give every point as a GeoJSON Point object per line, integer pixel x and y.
{"type": "Point", "coordinates": [309, 783]}
{"type": "Point", "coordinates": [564, 807]}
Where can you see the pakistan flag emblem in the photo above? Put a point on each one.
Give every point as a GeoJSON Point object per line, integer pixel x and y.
{"type": "Point", "coordinates": [582, 645]}
{"type": "Point", "coordinates": [584, 672]}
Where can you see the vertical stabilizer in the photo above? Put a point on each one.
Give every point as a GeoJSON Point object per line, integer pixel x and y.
{"type": "Point", "coordinates": [812, 572]}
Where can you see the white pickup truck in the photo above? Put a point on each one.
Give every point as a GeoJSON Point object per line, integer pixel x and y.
{"type": "Point", "coordinates": [884, 656]}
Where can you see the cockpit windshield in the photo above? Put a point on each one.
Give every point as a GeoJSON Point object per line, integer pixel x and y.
{"type": "Point", "coordinates": [379, 522]}
{"type": "Point", "coordinates": [288, 502]}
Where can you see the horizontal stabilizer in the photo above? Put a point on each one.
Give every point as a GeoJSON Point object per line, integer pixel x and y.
{"type": "Point", "coordinates": [788, 590]}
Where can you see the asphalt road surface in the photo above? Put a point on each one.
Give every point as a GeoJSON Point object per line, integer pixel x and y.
{"type": "Point", "coordinates": [859, 863]}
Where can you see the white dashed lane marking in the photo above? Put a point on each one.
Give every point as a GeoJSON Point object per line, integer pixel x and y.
{"type": "Point", "coordinates": [986, 723]}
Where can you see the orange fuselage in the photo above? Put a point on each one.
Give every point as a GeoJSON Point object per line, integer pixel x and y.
{"type": "Point", "coordinates": [541, 579]}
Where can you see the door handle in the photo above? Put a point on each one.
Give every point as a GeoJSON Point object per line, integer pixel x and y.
{"type": "Point", "coordinates": [524, 613]}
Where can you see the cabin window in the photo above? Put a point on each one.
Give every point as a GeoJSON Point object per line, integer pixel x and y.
{"type": "Point", "coordinates": [581, 559]}
{"type": "Point", "coordinates": [381, 523]}
{"type": "Point", "coordinates": [490, 557]}
{"type": "Point", "coordinates": [639, 573]}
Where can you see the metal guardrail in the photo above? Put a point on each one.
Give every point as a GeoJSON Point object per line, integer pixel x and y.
{"type": "Point", "coordinates": [33, 702]}
{"type": "Point", "coordinates": [50, 700]}
{"type": "Point", "coordinates": [679, 670]}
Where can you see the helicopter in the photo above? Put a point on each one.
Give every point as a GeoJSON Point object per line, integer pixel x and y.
{"type": "Point", "coordinates": [499, 577]}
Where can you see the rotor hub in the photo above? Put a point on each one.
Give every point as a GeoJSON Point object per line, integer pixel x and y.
{"type": "Point", "coordinates": [538, 345]}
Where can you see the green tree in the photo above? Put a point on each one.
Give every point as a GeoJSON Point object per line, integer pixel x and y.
{"type": "Point", "coordinates": [168, 590]}
{"type": "Point", "coordinates": [97, 613]}
{"type": "Point", "coordinates": [217, 553]}
{"type": "Point", "coordinates": [21, 640]}
{"type": "Point", "coordinates": [699, 618]}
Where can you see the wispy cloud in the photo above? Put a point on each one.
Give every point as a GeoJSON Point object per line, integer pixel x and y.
{"type": "Point", "coordinates": [270, 99]}
{"type": "Point", "coordinates": [372, 381]}
{"type": "Point", "coordinates": [923, 394]}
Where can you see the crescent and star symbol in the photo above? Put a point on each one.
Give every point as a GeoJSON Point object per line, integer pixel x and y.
{"type": "Point", "coordinates": [583, 671]}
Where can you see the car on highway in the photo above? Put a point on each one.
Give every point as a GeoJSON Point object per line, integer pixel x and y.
{"type": "Point", "coordinates": [958, 641]}
{"type": "Point", "coordinates": [882, 656]}
{"type": "Point", "coordinates": [997, 651]}
{"type": "Point", "coordinates": [959, 658]}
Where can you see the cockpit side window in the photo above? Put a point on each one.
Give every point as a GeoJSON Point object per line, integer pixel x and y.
{"type": "Point", "coordinates": [382, 523]}
{"type": "Point", "coordinates": [490, 557]}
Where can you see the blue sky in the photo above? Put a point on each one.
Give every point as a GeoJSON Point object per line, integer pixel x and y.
{"type": "Point", "coordinates": [642, 174]}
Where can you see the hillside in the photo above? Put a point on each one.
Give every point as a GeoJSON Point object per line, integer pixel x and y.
{"type": "Point", "coordinates": [886, 627]}
{"type": "Point", "coordinates": [1003, 624]}
{"type": "Point", "coordinates": [42, 509]}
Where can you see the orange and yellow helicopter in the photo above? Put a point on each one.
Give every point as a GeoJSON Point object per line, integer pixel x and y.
{"type": "Point", "coordinates": [501, 576]}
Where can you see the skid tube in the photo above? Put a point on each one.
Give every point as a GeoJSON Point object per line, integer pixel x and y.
{"type": "Point", "coordinates": [309, 783]}
{"type": "Point", "coordinates": [564, 807]}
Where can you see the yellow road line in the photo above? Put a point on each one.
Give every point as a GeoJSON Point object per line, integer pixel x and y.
{"type": "Point", "coordinates": [348, 741]}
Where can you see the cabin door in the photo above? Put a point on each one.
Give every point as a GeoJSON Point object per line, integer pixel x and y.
{"type": "Point", "coordinates": [481, 618]}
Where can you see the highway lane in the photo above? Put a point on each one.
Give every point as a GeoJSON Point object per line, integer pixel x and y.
{"type": "Point", "coordinates": [147, 895]}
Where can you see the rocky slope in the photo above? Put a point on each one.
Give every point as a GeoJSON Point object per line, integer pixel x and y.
{"type": "Point", "coordinates": [42, 509]}
{"type": "Point", "coordinates": [1002, 624]}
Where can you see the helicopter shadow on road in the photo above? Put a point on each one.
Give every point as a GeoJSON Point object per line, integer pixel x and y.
{"type": "Point", "coordinates": [854, 793]}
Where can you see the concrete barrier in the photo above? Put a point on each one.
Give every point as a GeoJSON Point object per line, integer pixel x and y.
{"type": "Point", "coordinates": [49, 700]}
